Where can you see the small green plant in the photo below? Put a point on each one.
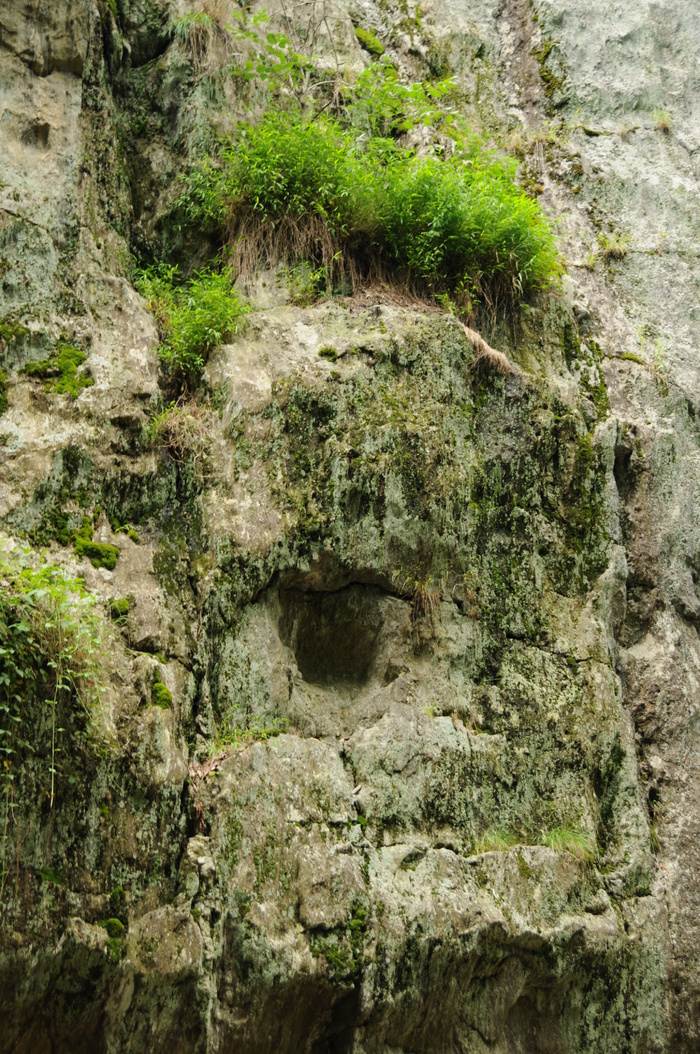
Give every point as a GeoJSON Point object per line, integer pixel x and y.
{"type": "Point", "coordinates": [114, 949]}
{"type": "Point", "coordinates": [10, 332]}
{"type": "Point", "coordinates": [98, 553]}
{"type": "Point", "coordinates": [592, 259]}
{"type": "Point", "coordinates": [306, 283]}
{"type": "Point", "coordinates": [161, 695]}
{"type": "Point", "coordinates": [659, 360]}
{"type": "Point", "coordinates": [193, 317]}
{"type": "Point", "coordinates": [231, 735]}
{"type": "Point", "coordinates": [181, 431]}
{"type": "Point", "coordinates": [612, 246]}
{"type": "Point", "coordinates": [662, 121]}
{"type": "Point", "coordinates": [50, 876]}
{"type": "Point", "coordinates": [61, 371]}
{"type": "Point", "coordinates": [495, 840]}
{"type": "Point", "coordinates": [424, 593]}
{"type": "Point", "coordinates": [368, 40]}
{"type": "Point", "coordinates": [327, 352]}
{"type": "Point", "coordinates": [125, 529]}
{"type": "Point", "coordinates": [197, 29]}
{"type": "Point", "coordinates": [117, 902]}
{"type": "Point", "coordinates": [570, 840]}
{"type": "Point", "coordinates": [342, 948]}
{"type": "Point", "coordinates": [119, 608]}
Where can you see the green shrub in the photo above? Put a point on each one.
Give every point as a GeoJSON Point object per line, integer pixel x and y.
{"type": "Point", "coordinates": [291, 188]}
{"type": "Point", "coordinates": [193, 317]}
{"type": "Point", "coordinates": [61, 370]}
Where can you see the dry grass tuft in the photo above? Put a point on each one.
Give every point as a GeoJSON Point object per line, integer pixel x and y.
{"type": "Point", "coordinates": [485, 353]}
{"type": "Point", "coordinates": [181, 431]}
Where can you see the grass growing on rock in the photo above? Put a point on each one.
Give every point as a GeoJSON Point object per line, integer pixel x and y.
{"type": "Point", "coordinates": [193, 317]}
{"type": "Point", "coordinates": [570, 840]}
{"type": "Point", "coordinates": [294, 188]}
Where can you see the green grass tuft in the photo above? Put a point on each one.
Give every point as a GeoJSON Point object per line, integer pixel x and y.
{"type": "Point", "coordinates": [119, 608]}
{"type": "Point", "coordinates": [193, 317]}
{"type": "Point", "coordinates": [495, 841]}
{"type": "Point", "coordinates": [292, 189]}
{"type": "Point", "coordinates": [570, 840]}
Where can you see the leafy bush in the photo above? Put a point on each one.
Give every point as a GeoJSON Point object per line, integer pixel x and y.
{"type": "Point", "coordinates": [192, 317]}
{"type": "Point", "coordinates": [292, 188]}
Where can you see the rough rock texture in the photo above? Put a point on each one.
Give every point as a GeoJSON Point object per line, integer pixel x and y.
{"type": "Point", "coordinates": [417, 620]}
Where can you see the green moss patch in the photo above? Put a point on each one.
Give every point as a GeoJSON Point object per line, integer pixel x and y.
{"type": "Point", "coordinates": [368, 41]}
{"type": "Point", "coordinates": [61, 371]}
{"type": "Point", "coordinates": [114, 927]}
{"type": "Point", "coordinates": [98, 553]}
{"type": "Point", "coordinates": [161, 695]}
{"type": "Point", "coordinates": [10, 332]}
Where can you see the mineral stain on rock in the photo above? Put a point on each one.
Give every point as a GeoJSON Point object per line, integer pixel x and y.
{"type": "Point", "coordinates": [348, 701]}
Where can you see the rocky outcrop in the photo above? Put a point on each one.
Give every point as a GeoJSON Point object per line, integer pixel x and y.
{"type": "Point", "coordinates": [423, 774]}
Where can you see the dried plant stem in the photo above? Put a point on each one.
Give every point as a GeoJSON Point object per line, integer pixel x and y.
{"type": "Point", "coordinates": [485, 353]}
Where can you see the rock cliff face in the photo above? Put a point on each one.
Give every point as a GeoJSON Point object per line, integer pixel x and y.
{"type": "Point", "coordinates": [425, 777]}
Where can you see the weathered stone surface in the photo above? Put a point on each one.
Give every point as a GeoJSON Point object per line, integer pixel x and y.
{"type": "Point", "coordinates": [428, 778]}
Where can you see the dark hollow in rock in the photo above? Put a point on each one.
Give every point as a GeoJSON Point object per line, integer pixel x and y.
{"type": "Point", "coordinates": [334, 636]}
